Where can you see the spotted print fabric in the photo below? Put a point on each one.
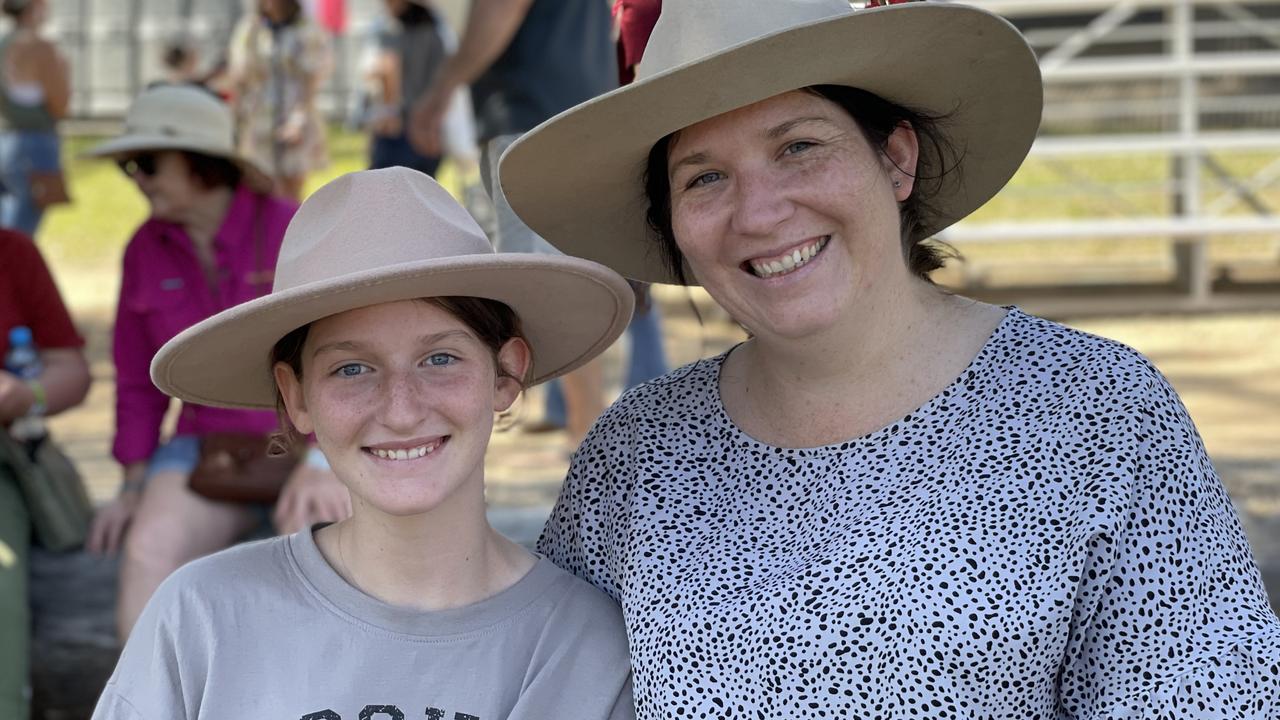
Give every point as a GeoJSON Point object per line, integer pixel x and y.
{"type": "Point", "coordinates": [1045, 538]}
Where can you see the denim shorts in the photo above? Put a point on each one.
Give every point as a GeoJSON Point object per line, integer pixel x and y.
{"type": "Point", "coordinates": [180, 454]}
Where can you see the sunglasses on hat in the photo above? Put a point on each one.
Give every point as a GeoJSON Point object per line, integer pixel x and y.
{"type": "Point", "coordinates": [140, 164]}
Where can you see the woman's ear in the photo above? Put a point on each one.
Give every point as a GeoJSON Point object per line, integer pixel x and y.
{"type": "Point", "coordinates": [295, 403]}
{"type": "Point", "coordinates": [514, 359]}
{"type": "Point", "coordinates": [900, 156]}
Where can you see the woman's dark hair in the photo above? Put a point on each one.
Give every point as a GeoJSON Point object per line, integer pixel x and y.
{"type": "Point", "coordinates": [212, 172]}
{"type": "Point", "coordinates": [877, 118]}
{"type": "Point", "coordinates": [415, 15]}
{"type": "Point", "coordinates": [15, 8]}
{"type": "Point", "coordinates": [176, 53]}
{"type": "Point", "coordinates": [292, 13]}
{"type": "Point", "coordinates": [493, 322]}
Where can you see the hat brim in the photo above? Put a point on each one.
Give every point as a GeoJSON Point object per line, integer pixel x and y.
{"type": "Point", "coordinates": [576, 179]}
{"type": "Point", "coordinates": [254, 177]}
{"type": "Point", "coordinates": [570, 311]}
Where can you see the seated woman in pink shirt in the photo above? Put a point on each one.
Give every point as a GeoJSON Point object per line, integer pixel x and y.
{"type": "Point", "coordinates": [210, 243]}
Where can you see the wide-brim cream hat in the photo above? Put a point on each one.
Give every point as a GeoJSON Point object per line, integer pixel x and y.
{"type": "Point", "coordinates": [182, 117]}
{"type": "Point", "coordinates": [380, 236]}
{"type": "Point", "coordinates": [576, 179]}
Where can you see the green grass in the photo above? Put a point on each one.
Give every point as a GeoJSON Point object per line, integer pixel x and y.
{"type": "Point", "coordinates": [94, 229]}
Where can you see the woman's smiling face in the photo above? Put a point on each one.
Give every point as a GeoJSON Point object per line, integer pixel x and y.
{"type": "Point", "coordinates": [401, 397]}
{"type": "Point", "coordinates": [786, 213]}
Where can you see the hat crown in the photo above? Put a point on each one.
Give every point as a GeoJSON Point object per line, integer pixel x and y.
{"type": "Point", "coordinates": [693, 29]}
{"type": "Point", "coordinates": [373, 220]}
{"type": "Point", "coordinates": [182, 113]}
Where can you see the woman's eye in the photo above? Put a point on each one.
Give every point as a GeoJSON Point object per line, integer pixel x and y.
{"type": "Point", "coordinates": [441, 359]}
{"type": "Point", "coordinates": [797, 146]}
{"type": "Point", "coordinates": [705, 178]}
{"type": "Point", "coordinates": [350, 370]}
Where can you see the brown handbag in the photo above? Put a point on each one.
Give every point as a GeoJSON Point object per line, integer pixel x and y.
{"type": "Point", "coordinates": [48, 187]}
{"type": "Point", "coordinates": [239, 467]}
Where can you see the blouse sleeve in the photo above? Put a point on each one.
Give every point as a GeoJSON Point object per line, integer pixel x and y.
{"type": "Point", "coordinates": [587, 531]}
{"type": "Point", "coordinates": [1172, 621]}
{"type": "Point", "coordinates": [140, 407]}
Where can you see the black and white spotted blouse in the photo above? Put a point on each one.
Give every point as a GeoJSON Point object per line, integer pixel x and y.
{"type": "Point", "coordinates": [1046, 538]}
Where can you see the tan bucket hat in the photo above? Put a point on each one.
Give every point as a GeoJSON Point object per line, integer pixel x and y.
{"type": "Point", "coordinates": [380, 236]}
{"type": "Point", "coordinates": [576, 179]}
{"type": "Point", "coordinates": [181, 117]}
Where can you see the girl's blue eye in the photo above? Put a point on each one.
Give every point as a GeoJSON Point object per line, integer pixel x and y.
{"type": "Point", "coordinates": [797, 146]}
{"type": "Point", "coordinates": [350, 370]}
{"type": "Point", "coordinates": [705, 178]}
{"type": "Point", "coordinates": [441, 359]}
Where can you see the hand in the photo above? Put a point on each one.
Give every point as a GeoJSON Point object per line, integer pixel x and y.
{"type": "Point", "coordinates": [290, 131]}
{"type": "Point", "coordinates": [16, 397]}
{"type": "Point", "coordinates": [426, 119]}
{"type": "Point", "coordinates": [387, 125]}
{"type": "Point", "coordinates": [106, 534]}
{"type": "Point", "coordinates": [311, 495]}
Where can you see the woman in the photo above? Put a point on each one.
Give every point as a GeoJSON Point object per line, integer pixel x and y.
{"type": "Point", "coordinates": [411, 50]}
{"type": "Point", "coordinates": [397, 359]}
{"type": "Point", "coordinates": [210, 243]}
{"type": "Point", "coordinates": [278, 60]}
{"type": "Point", "coordinates": [28, 298]}
{"type": "Point", "coordinates": [890, 501]}
{"type": "Point", "coordinates": [35, 89]}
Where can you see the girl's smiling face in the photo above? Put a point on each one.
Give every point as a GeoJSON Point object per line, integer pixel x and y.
{"type": "Point", "coordinates": [401, 397]}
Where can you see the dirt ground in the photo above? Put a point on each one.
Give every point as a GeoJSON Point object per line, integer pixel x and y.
{"type": "Point", "coordinates": [1224, 366]}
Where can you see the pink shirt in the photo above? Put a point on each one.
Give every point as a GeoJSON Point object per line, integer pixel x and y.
{"type": "Point", "coordinates": [163, 291]}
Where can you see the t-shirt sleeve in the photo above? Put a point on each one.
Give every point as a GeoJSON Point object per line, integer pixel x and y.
{"type": "Point", "coordinates": [1172, 620]}
{"type": "Point", "coordinates": [586, 532]}
{"type": "Point", "coordinates": [42, 307]}
{"type": "Point", "coordinates": [148, 680]}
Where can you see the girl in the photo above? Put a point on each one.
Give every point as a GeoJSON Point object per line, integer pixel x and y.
{"type": "Point", "coordinates": [393, 333]}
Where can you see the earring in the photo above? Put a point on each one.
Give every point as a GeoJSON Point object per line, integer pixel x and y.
{"type": "Point", "coordinates": [897, 183]}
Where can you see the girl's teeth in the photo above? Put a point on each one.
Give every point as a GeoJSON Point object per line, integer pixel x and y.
{"type": "Point", "coordinates": [410, 454]}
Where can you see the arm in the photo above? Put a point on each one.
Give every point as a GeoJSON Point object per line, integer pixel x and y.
{"type": "Point", "coordinates": [315, 63]}
{"type": "Point", "coordinates": [64, 380]}
{"type": "Point", "coordinates": [1171, 618]}
{"type": "Point", "coordinates": [64, 383]}
{"type": "Point", "coordinates": [55, 78]}
{"type": "Point", "coordinates": [491, 25]}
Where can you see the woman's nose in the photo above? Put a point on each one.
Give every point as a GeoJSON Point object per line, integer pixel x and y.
{"type": "Point", "coordinates": [760, 204]}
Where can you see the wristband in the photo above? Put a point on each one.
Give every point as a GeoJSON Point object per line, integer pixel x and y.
{"type": "Point", "coordinates": [316, 459]}
{"type": "Point", "coordinates": [42, 398]}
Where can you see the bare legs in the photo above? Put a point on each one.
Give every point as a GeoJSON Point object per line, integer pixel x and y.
{"type": "Point", "coordinates": [172, 526]}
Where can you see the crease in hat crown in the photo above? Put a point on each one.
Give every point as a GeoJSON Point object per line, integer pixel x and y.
{"type": "Point", "coordinates": [329, 237]}
{"type": "Point", "coordinates": [181, 112]}
{"type": "Point", "coordinates": [688, 31]}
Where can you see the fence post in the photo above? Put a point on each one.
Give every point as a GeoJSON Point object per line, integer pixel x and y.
{"type": "Point", "coordinates": [1191, 257]}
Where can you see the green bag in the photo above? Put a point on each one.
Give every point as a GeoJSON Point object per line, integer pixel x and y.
{"type": "Point", "coordinates": [57, 502]}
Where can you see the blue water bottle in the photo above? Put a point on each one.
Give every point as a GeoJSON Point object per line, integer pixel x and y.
{"type": "Point", "coordinates": [23, 360]}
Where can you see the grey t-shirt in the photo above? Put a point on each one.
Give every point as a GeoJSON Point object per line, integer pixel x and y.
{"type": "Point", "coordinates": [270, 630]}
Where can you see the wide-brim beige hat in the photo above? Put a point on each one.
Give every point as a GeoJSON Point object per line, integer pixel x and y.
{"type": "Point", "coordinates": [576, 179]}
{"type": "Point", "coordinates": [380, 236]}
{"type": "Point", "coordinates": [181, 117]}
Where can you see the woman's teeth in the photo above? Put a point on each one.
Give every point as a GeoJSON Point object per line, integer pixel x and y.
{"type": "Point", "coordinates": [789, 263]}
{"type": "Point", "coordinates": [410, 454]}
